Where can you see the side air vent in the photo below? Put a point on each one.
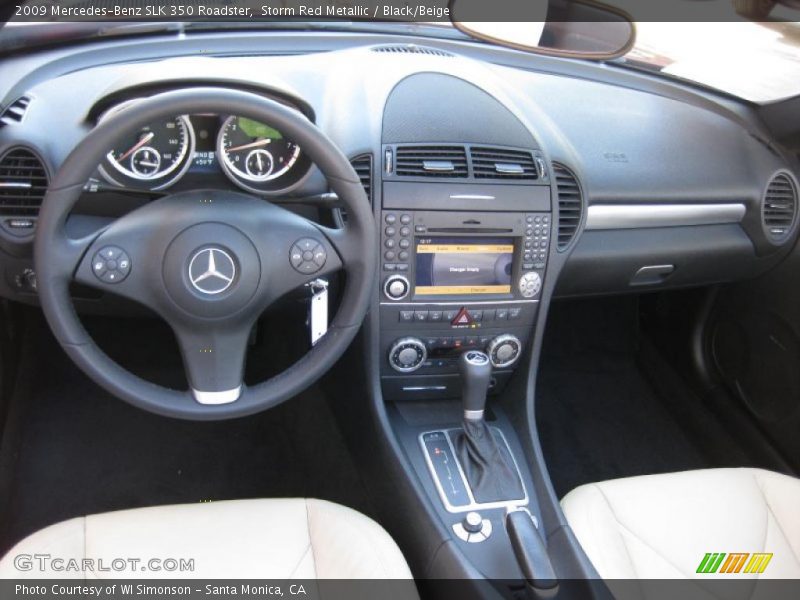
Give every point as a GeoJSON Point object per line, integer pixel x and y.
{"type": "Point", "coordinates": [411, 49]}
{"type": "Point", "coordinates": [23, 183]}
{"type": "Point", "coordinates": [779, 210]}
{"type": "Point", "coordinates": [499, 163]}
{"type": "Point", "coordinates": [431, 161]}
{"type": "Point", "coordinates": [570, 205]}
{"type": "Point", "coordinates": [15, 112]}
{"type": "Point", "coordinates": [362, 164]}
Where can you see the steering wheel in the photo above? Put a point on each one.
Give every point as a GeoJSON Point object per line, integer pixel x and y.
{"type": "Point", "coordinates": [208, 262]}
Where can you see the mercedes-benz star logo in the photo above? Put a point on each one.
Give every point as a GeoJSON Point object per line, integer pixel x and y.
{"type": "Point", "coordinates": [212, 271]}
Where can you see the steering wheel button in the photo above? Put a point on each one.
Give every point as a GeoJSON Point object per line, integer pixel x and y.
{"type": "Point", "coordinates": [99, 267]}
{"type": "Point", "coordinates": [307, 244]}
{"type": "Point", "coordinates": [308, 255]}
{"type": "Point", "coordinates": [320, 257]}
{"type": "Point", "coordinates": [309, 267]}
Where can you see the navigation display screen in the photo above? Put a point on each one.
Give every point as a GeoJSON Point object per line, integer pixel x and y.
{"type": "Point", "coordinates": [463, 265]}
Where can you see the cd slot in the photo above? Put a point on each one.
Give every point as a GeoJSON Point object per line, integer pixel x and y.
{"type": "Point", "coordinates": [469, 230]}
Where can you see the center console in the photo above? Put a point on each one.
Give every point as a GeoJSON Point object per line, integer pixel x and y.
{"type": "Point", "coordinates": [453, 281]}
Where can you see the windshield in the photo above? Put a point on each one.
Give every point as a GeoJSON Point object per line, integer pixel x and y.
{"type": "Point", "coordinates": [755, 61]}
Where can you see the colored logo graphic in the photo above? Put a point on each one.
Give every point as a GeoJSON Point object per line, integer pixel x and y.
{"type": "Point", "coordinates": [735, 562]}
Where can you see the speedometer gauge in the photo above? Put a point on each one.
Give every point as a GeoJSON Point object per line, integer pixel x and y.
{"type": "Point", "coordinates": [155, 156]}
{"type": "Point", "coordinates": [252, 153]}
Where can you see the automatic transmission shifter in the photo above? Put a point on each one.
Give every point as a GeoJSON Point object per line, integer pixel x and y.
{"type": "Point", "coordinates": [486, 463]}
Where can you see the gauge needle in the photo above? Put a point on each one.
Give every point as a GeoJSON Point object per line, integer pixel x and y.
{"type": "Point", "coordinates": [255, 144]}
{"type": "Point", "coordinates": [140, 143]}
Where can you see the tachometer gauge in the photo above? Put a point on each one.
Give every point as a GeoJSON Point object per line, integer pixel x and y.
{"type": "Point", "coordinates": [252, 153]}
{"type": "Point", "coordinates": [155, 157]}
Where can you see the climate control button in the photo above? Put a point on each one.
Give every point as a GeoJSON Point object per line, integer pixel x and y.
{"type": "Point", "coordinates": [407, 354]}
{"type": "Point", "coordinates": [504, 350]}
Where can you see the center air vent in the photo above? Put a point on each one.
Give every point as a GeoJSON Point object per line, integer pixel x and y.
{"type": "Point", "coordinates": [410, 49]}
{"type": "Point", "coordinates": [570, 205]}
{"type": "Point", "coordinates": [15, 112]}
{"type": "Point", "coordinates": [499, 163]}
{"type": "Point", "coordinates": [779, 210]}
{"type": "Point", "coordinates": [23, 183]}
{"type": "Point", "coordinates": [431, 161]}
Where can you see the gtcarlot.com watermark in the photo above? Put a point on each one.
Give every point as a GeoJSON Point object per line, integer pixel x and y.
{"type": "Point", "coordinates": [46, 563]}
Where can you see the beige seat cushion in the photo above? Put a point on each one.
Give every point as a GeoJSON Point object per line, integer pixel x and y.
{"type": "Point", "coordinates": [661, 526]}
{"type": "Point", "coordinates": [292, 538]}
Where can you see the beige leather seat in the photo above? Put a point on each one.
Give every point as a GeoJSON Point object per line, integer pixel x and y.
{"type": "Point", "coordinates": [254, 539]}
{"type": "Point", "coordinates": [662, 526]}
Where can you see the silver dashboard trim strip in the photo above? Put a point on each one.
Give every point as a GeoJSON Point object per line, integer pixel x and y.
{"type": "Point", "coordinates": [419, 303]}
{"type": "Point", "coordinates": [633, 216]}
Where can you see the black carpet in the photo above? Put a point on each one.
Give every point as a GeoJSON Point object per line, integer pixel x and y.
{"type": "Point", "coordinates": [82, 451]}
{"type": "Point", "coordinates": [608, 406]}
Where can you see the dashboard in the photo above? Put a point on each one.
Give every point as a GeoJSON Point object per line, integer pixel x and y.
{"type": "Point", "coordinates": [497, 179]}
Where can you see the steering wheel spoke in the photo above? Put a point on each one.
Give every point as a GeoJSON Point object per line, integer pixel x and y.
{"type": "Point", "coordinates": [214, 359]}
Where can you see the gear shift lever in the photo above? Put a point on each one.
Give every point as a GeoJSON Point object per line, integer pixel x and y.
{"type": "Point", "coordinates": [488, 467]}
{"type": "Point", "coordinates": [476, 374]}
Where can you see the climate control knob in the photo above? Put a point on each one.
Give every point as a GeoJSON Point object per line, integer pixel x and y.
{"type": "Point", "coordinates": [530, 284]}
{"type": "Point", "coordinates": [504, 350]}
{"type": "Point", "coordinates": [396, 287]}
{"type": "Point", "coordinates": [407, 354]}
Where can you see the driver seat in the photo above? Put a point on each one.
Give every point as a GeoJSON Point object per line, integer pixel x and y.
{"type": "Point", "coordinates": [291, 538]}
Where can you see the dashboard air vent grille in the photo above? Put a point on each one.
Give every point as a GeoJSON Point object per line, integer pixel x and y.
{"type": "Point", "coordinates": [363, 168]}
{"type": "Point", "coordinates": [15, 112]}
{"type": "Point", "coordinates": [780, 207]}
{"type": "Point", "coordinates": [362, 164]}
{"type": "Point", "coordinates": [499, 163]}
{"type": "Point", "coordinates": [23, 183]}
{"type": "Point", "coordinates": [431, 161]}
{"type": "Point", "coordinates": [570, 205]}
{"type": "Point", "coordinates": [411, 49]}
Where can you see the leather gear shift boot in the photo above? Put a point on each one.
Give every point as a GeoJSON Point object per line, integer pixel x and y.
{"type": "Point", "coordinates": [486, 463]}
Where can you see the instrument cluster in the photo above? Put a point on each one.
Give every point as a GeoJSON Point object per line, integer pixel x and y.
{"type": "Point", "coordinates": [254, 156]}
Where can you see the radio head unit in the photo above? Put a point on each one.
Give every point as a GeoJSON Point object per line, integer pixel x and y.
{"type": "Point", "coordinates": [453, 257]}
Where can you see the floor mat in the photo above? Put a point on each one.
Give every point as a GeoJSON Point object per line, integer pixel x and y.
{"type": "Point", "coordinates": [604, 409]}
{"type": "Point", "coordinates": [83, 451]}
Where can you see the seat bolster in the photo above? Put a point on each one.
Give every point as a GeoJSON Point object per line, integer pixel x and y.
{"type": "Point", "coordinates": [592, 519]}
{"type": "Point", "coordinates": [287, 538]}
{"type": "Point", "coordinates": [782, 495]}
{"type": "Point", "coordinates": [346, 545]}
{"type": "Point", "coordinates": [661, 526]}
{"type": "Point", "coordinates": [63, 540]}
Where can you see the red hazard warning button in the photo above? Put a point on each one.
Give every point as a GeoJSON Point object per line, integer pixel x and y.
{"type": "Point", "coordinates": [462, 318]}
